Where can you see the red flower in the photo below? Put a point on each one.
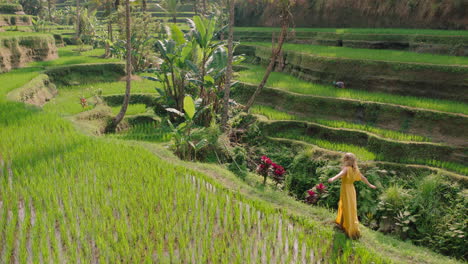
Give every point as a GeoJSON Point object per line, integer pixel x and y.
{"type": "Point", "coordinates": [266, 160]}
{"type": "Point", "coordinates": [320, 187]}
{"type": "Point", "coordinates": [311, 193]}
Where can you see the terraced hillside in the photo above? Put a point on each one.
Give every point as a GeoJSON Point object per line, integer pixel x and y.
{"type": "Point", "coordinates": [72, 192]}
{"type": "Point", "coordinates": [451, 42]}
{"type": "Point", "coordinates": [68, 197]}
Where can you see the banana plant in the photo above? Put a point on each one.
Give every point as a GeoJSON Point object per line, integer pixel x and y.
{"type": "Point", "coordinates": [185, 146]}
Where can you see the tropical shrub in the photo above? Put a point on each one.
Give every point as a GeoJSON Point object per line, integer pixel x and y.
{"type": "Point", "coordinates": [315, 194]}
{"type": "Point", "coordinates": [239, 162]}
{"type": "Point", "coordinates": [267, 168]}
{"type": "Point", "coordinates": [194, 63]}
{"type": "Point", "coordinates": [302, 173]}
{"type": "Point", "coordinates": [182, 134]}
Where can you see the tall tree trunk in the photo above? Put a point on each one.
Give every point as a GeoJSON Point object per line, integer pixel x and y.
{"type": "Point", "coordinates": [274, 57]}
{"type": "Point", "coordinates": [143, 5]}
{"type": "Point", "coordinates": [227, 88]}
{"type": "Point", "coordinates": [78, 19]}
{"type": "Point", "coordinates": [49, 7]}
{"type": "Point", "coordinates": [126, 100]}
{"type": "Point", "coordinates": [109, 31]}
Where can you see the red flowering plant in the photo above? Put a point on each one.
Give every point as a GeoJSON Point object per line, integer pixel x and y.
{"type": "Point", "coordinates": [83, 102]}
{"type": "Point", "coordinates": [267, 167]}
{"type": "Point", "coordinates": [316, 193]}
{"type": "Point", "coordinates": [278, 173]}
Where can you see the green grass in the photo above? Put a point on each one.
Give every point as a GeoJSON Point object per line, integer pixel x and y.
{"type": "Point", "coordinates": [370, 54]}
{"type": "Point", "coordinates": [15, 79]}
{"type": "Point", "coordinates": [68, 103]}
{"type": "Point", "coordinates": [366, 155]}
{"type": "Point", "coordinates": [8, 34]}
{"type": "Point", "coordinates": [133, 109]}
{"type": "Point", "coordinates": [274, 114]}
{"type": "Point", "coordinates": [398, 31]}
{"type": "Point", "coordinates": [146, 132]}
{"type": "Point", "coordinates": [68, 56]}
{"type": "Point", "coordinates": [362, 153]}
{"type": "Point", "coordinates": [289, 83]}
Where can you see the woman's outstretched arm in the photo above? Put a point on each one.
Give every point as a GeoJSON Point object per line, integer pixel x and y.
{"type": "Point", "coordinates": [364, 179]}
{"type": "Point", "coordinates": [339, 175]}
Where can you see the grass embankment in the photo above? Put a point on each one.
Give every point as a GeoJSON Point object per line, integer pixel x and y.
{"type": "Point", "coordinates": [362, 152]}
{"type": "Point", "coordinates": [370, 54]}
{"type": "Point", "coordinates": [70, 55]}
{"type": "Point", "coordinates": [397, 31]}
{"type": "Point", "coordinates": [274, 114]}
{"type": "Point", "coordinates": [287, 82]}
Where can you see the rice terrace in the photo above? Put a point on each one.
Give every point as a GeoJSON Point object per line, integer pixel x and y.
{"type": "Point", "coordinates": [233, 131]}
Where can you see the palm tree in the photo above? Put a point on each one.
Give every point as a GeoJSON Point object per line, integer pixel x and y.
{"type": "Point", "coordinates": [227, 88]}
{"type": "Point", "coordinates": [284, 7]}
{"type": "Point", "coordinates": [116, 121]}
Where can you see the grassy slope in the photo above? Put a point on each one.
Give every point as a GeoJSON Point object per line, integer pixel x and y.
{"type": "Point", "coordinates": [401, 31]}
{"type": "Point", "coordinates": [274, 114]}
{"type": "Point", "coordinates": [371, 54]}
{"type": "Point", "coordinates": [289, 83]}
{"type": "Point", "coordinates": [65, 171]}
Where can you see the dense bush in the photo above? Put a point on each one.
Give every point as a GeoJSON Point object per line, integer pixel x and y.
{"type": "Point", "coordinates": [6, 8]}
{"type": "Point", "coordinates": [303, 174]}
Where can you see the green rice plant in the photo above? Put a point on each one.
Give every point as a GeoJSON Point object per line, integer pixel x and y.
{"type": "Point", "coordinates": [366, 155]}
{"type": "Point", "coordinates": [370, 54]}
{"type": "Point", "coordinates": [146, 132]}
{"type": "Point", "coordinates": [133, 109]}
{"type": "Point", "coordinates": [274, 114]}
{"type": "Point", "coordinates": [292, 84]}
{"type": "Point", "coordinates": [69, 55]}
{"type": "Point", "coordinates": [360, 152]}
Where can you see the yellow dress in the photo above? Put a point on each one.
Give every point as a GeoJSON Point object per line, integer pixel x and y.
{"type": "Point", "coordinates": [347, 206]}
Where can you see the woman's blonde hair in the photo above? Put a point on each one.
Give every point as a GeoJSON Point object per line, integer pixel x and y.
{"type": "Point", "coordinates": [349, 159]}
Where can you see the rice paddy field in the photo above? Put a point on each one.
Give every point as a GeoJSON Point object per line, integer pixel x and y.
{"type": "Point", "coordinates": [370, 54]}
{"type": "Point", "coordinates": [68, 197]}
{"type": "Point", "coordinates": [273, 114]}
{"type": "Point", "coordinates": [254, 75]}
{"type": "Point", "coordinates": [72, 193]}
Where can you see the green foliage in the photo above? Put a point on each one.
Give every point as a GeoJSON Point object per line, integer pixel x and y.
{"type": "Point", "coordinates": [32, 7]}
{"type": "Point", "coordinates": [183, 134]}
{"type": "Point", "coordinates": [10, 8]}
{"type": "Point", "coordinates": [450, 232]}
{"type": "Point", "coordinates": [193, 64]}
{"type": "Point", "coordinates": [302, 173]}
{"type": "Point", "coordinates": [239, 162]}
{"type": "Point", "coordinates": [142, 42]}
{"type": "Point", "coordinates": [360, 152]}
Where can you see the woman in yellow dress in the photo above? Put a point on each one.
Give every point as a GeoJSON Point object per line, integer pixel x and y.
{"type": "Point", "coordinates": [347, 206]}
